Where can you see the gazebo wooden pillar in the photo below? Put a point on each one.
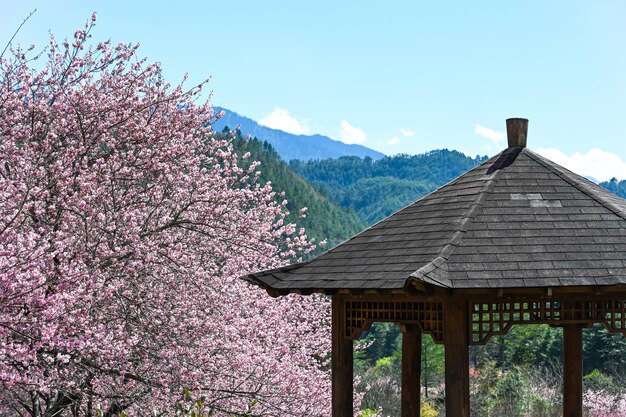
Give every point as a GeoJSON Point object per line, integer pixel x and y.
{"type": "Point", "coordinates": [517, 240]}
{"type": "Point", "coordinates": [456, 340]}
{"type": "Point", "coordinates": [411, 370]}
{"type": "Point", "coordinates": [342, 362]}
{"type": "Point", "coordinates": [572, 370]}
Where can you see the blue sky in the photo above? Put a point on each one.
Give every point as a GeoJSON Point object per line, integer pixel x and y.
{"type": "Point", "coordinates": [397, 76]}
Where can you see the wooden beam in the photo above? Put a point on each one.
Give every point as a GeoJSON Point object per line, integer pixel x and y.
{"type": "Point", "coordinates": [456, 340]}
{"type": "Point", "coordinates": [411, 367]}
{"type": "Point", "coordinates": [572, 370]}
{"type": "Point", "coordinates": [342, 385]}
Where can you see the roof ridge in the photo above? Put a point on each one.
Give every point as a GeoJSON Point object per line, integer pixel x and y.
{"type": "Point", "coordinates": [446, 251]}
{"type": "Point", "coordinates": [566, 175]}
{"type": "Point", "coordinates": [425, 273]}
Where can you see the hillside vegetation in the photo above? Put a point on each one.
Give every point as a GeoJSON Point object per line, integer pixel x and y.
{"type": "Point", "coordinates": [324, 220]}
{"type": "Point", "coordinates": [377, 188]}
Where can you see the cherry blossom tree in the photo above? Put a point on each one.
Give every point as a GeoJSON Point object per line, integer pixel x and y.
{"type": "Point", "coordinates": [124, 226]}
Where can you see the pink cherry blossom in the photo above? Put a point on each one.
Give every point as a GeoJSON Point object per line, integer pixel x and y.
{"type": "Point", "coordinates": [124, 226]}
{"type": "Point", "coordinates": [604, 404]}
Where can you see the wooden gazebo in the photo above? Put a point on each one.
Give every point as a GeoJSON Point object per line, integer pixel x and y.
{"type": "Point", "coordinates": [516, 240]}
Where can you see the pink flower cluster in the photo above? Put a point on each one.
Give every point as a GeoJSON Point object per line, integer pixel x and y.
{"type": "Point", "coordinates": [602, 404]}
{"type": "Point", "coordinates": [124, 226]}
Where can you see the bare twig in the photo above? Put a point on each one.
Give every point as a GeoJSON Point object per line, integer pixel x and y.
{"type": "Point", "coordinates": [16, 32]}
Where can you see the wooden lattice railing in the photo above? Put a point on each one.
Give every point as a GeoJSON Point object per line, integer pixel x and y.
{"type": "Point", "coordinates": [489, 318]}
{"type": "Point", "coordinates": [428, 315]}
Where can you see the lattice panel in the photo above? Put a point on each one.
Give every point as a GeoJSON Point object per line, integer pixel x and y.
{"type": "Point", "coordinates": [613, 315]}
{"type": "Point", "coordinates": [495, 318]}
{"type": "Point", "coordinates": [427, 315]}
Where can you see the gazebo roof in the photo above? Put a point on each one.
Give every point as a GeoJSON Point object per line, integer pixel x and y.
{"type": "Point", "coordinates": [518, 220]}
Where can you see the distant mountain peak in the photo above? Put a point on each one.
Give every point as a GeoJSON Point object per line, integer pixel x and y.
{"type": "Point", "coordinates": [290, 146]}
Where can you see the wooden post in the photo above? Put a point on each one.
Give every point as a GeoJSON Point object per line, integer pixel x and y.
{"type": "Point", "coordinates": [411, 367]}
{"type": "Point", "coordinates": [456, 340]}
{"type": "Point", "coordinates": [572, 370]}
{"type": "Point", "coordinates": [342, 363]}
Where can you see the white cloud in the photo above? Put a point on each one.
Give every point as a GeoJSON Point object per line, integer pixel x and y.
{"type": "Point", "coordinates": [280, 119]}
{"type": "Point", "coordinates": [393, 141]}
{"type": "Point", "coordinates": [350, 134]}
{"type": "Point", "coordinates": [596, 163]}
{"type": "Point", "coordinates": [407, 133]}
{"type": "Point", "coordinates": [493, 135]}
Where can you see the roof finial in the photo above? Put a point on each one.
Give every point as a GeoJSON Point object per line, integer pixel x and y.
{"type": "Point", "coordinates": [517, 130]}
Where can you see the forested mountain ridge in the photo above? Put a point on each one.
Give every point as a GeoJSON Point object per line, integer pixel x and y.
{"type": "Point", "coordinates": [290, 146]}
{"type": "Point", "coordinates": [377, 188]}
{"type": "Point", "coordinates": [615, 186]}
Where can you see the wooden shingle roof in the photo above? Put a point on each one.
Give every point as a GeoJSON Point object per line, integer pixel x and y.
{"type": "Point", "coordinates": [517, 220]}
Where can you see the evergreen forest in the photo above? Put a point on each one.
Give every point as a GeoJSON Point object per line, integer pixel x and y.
{"type": "Point", "coordinates": [377, 188]}
{"type": "Point", "coordinates": [323, 219]}
{"type": "Point", "coordinates": [615, 186]}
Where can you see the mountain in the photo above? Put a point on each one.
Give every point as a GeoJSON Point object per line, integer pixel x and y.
{"type": "Point", "coordinates": [376, 189]}
{"type": "Point", "coordinates": [615, 186]}
{"type": "Point", "coordinates": [290, 146]}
